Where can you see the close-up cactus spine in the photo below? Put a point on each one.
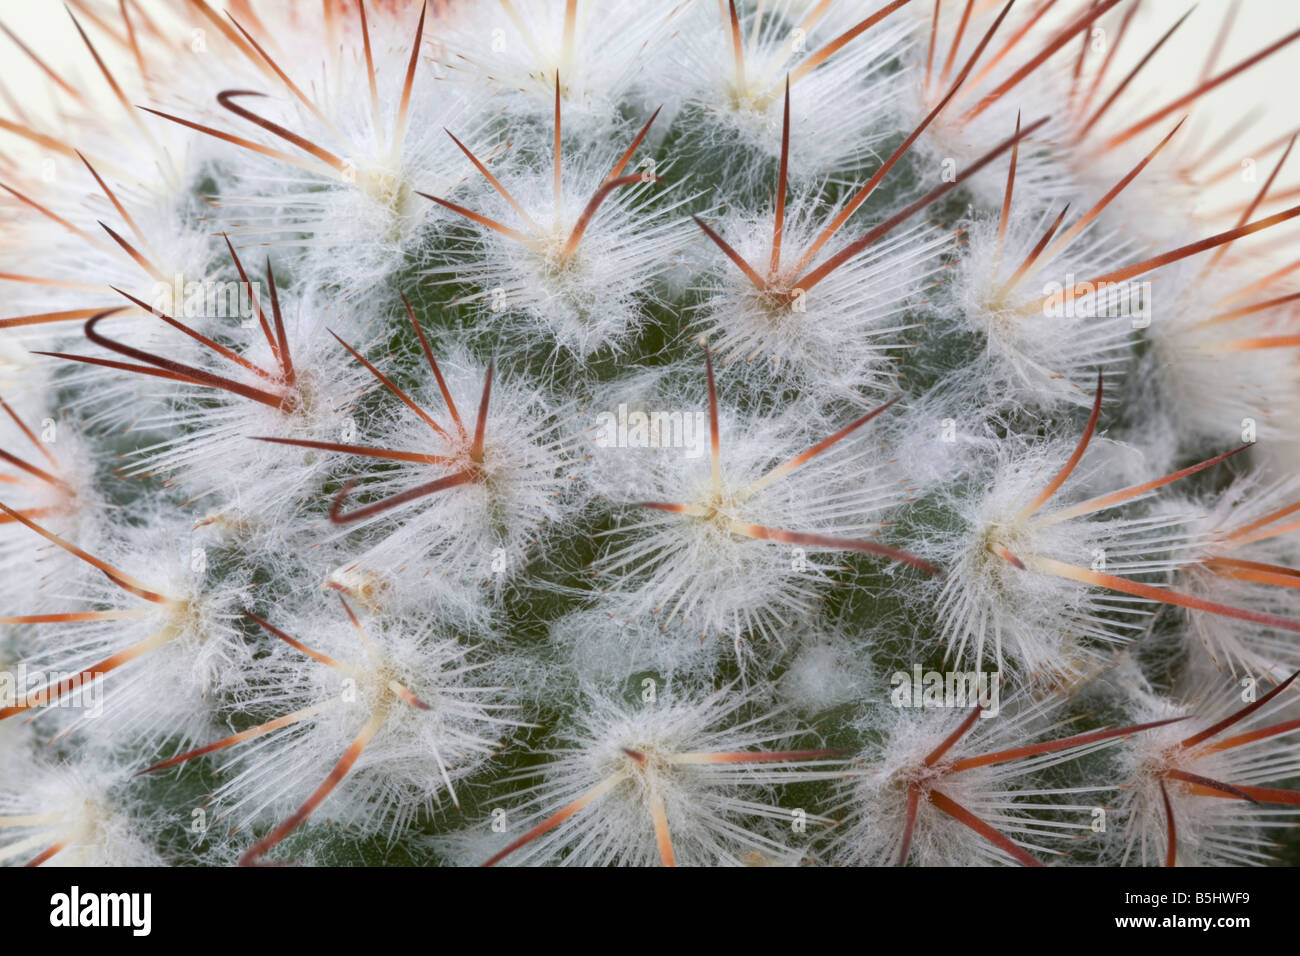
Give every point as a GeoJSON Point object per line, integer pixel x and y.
{"type": "Point", "coordinates": [685, 432]}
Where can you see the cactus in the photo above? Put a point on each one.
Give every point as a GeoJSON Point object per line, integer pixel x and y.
{"type": "Point", "coordinates": [762, 433]}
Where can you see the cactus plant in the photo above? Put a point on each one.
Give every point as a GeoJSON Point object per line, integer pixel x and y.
{"type": "Point", "coordinates": [693, 432]}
